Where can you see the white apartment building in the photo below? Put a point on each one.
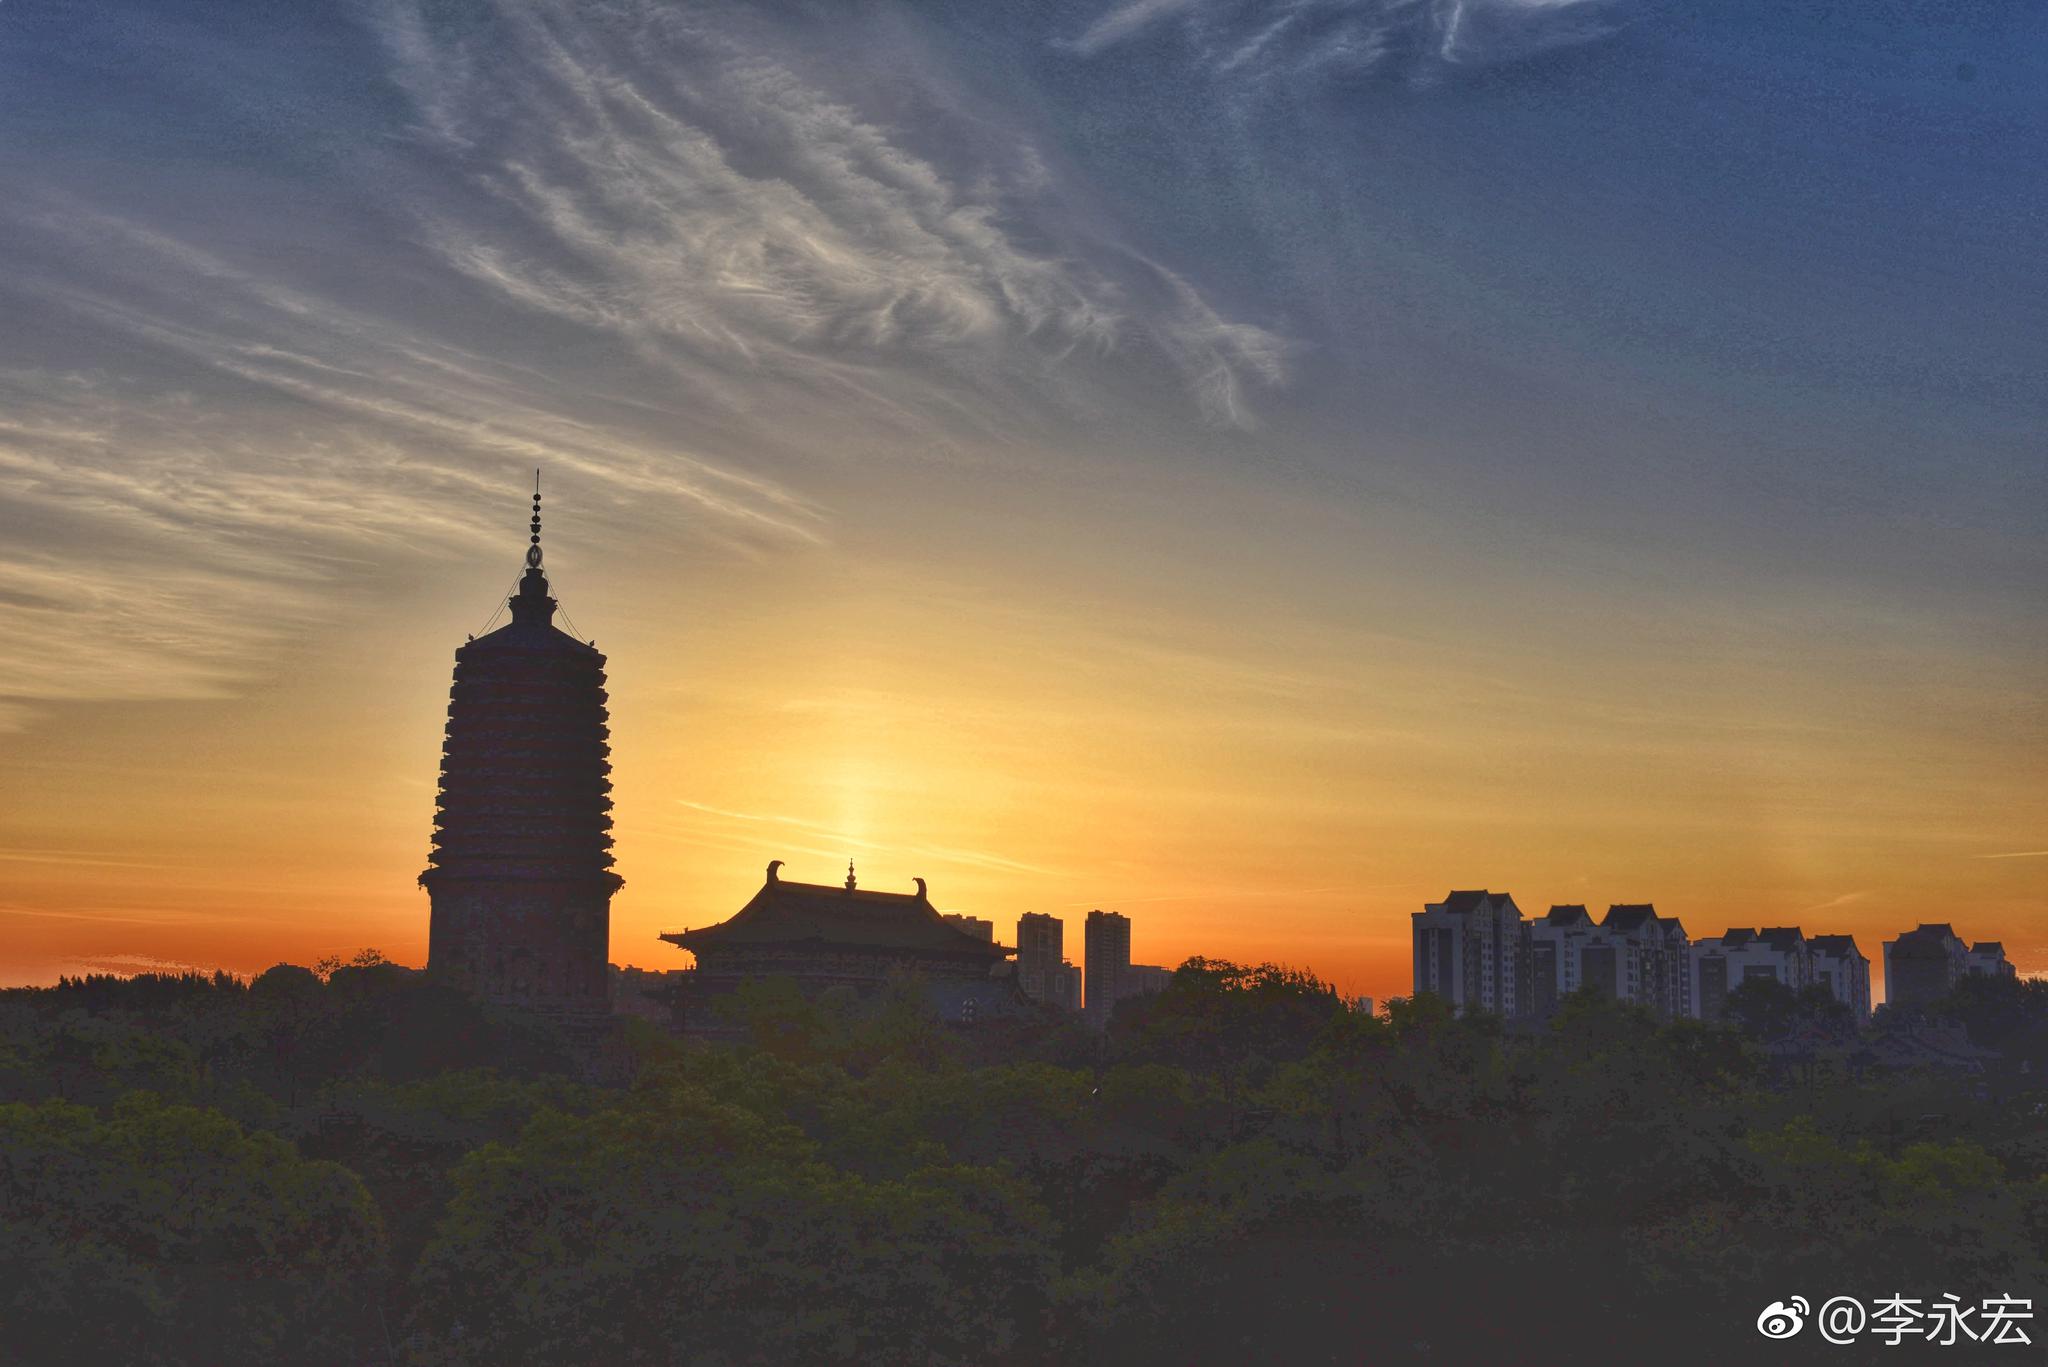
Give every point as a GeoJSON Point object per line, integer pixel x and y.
{"type": "Point", "coordinates": [1841, 968]}
{"type": "Point", "coordinates": [1720, 964]}
{"type": "Point", "coordinates": [1468, 950]}
{"type": "Point", "coordinates": [1633, 955]}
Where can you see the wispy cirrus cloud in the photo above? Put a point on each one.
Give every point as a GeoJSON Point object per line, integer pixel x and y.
{"type": "Point", "coordinates": [1254, 40]}
{"type": "Point", "coordinates": [74, 858]}
{"type": "Point", "coordinates": [732, 218]}
{"type": "Point", "coordinates": [169, 528]}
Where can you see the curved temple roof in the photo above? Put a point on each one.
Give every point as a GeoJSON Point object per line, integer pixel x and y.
{"type": "Point", "coordinates": [819, 914]}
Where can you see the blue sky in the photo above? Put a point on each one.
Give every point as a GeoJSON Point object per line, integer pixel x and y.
{"type": "Point", "coordinates": [1638, 348]}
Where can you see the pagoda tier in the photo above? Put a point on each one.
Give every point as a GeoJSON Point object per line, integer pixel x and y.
{"type": "Point", "coordinates": [520, 877]}
{"type": "Point", "coordinates": [525, 769]}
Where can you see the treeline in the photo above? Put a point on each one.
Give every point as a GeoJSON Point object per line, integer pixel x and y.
{"type": "Point", "coordinates": [356, 1165]}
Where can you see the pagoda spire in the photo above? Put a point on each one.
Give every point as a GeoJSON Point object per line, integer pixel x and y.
{"type": "Point", "coordinates": [532, 603]}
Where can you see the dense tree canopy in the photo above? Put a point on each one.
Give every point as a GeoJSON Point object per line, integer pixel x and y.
{"type": "Point", "coordinates": [142, 1232]}
{"type": "Point", "coordinates": [356, 1165]}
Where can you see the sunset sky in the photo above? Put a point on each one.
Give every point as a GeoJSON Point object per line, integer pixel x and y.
{"type": "Point", "coordinates": [1252, 466]}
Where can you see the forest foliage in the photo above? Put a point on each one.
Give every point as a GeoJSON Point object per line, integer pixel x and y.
{"type": "Point", "coordinates": [353, 1164]}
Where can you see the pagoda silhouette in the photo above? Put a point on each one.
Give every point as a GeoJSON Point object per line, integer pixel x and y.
{"type": "Point", "coordinates": [520, 879]}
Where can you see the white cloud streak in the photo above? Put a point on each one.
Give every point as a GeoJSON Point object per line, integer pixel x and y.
{"type": "Point", "coordinates": [1845, 899]}
{"type": "Point", "coordinates": [1261, 43]}
{"type": "Point", "coordinates": [164, 543]}
{"type": "Point", "coordinates": [722, 212]}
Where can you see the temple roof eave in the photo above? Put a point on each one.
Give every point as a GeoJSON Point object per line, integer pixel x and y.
{"type": "Point", "coordinates": [815, 917]}
{"type": "Point", "coordinates": [709, 937]}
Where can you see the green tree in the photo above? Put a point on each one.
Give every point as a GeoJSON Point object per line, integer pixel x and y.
{"type": "Point", "coordinates": [155, 1233]}
{"type": "Point", "coordinates": [1768, 1010]}
{"type": "Point", "coordinates": [680, 1228]}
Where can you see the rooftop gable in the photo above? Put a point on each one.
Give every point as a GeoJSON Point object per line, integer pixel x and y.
{"type": "Point", "coordinates": [1629, 915]}
{"type": "Point", "coordinates": [1930, 935]}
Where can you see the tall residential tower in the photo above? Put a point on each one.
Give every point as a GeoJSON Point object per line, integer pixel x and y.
{"type": "Point", "coordinates": [1106, 942]}
{"type": "Point", "coordinates": [1041, 948]}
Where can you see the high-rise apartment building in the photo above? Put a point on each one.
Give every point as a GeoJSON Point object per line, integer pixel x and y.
{"type": "Point", "coordinates": [1065, 990]}
{"type": "Point", "coordinates": [1106, 942]}
{"type": "Point", "coordinates": [1841, 968]}
{"type": "Point", "coordinates": [1553, 942]}
{"type": "Point", "coordinates": [1921, 965]}
{"type": "Point", "coordinates": [1652, 958]}
{"type": "Point", "coordinates": [1633, 955]}
{"type": "Point", "coordinates": [1146, 979]}
{"type": "Point", "coordinates": [1468, 950]}
{"type": "Point", "coordinates": [1988, 958]}
{"type": "Point", "coordinates": [1041, 948]}
{"type": "Point", "coordinates": [1722, 963]}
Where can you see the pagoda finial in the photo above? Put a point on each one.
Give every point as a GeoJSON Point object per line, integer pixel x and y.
{"type": "Point", "coordinates": [532, 603]}
{"type": "Point", "coordinates": [533, 550]}
{"type": "Point", "coordinates": [849, 875]}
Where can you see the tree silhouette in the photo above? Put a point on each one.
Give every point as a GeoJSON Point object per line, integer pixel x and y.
{"type": "Point", "coordinates": [1239, 1168]}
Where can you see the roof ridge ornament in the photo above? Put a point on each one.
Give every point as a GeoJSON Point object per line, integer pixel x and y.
{"type": "Point", "coordinates": [773, 865]}
{"type": "Point", "coordinates": [849, 875]}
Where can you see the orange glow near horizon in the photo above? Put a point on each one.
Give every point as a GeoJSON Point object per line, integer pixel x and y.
{"type": "Point", "coordinates": [1244, 781]}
